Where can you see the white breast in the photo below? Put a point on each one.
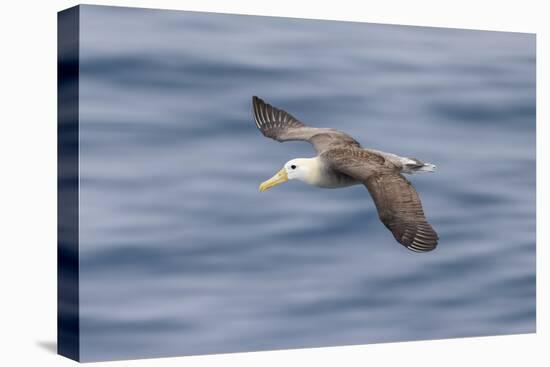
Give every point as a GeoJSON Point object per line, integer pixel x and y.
{"type": "Point", "coordinates": [325, 177]}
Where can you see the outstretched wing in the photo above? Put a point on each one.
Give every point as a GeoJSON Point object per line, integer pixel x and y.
{"type": "Point", "coordinates": [396, 199]}
{"type": "Point", "coordinates": [400, 209]}
{"type": "Point", "coordinates": [279, 125]}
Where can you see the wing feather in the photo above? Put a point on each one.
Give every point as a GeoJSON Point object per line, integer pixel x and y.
{"type": "Point", "coordinates": [279, 125]}
{"type": "Point", "coordinates": [397, 202]}
{"type": "Point", "coordinates": [400, 209]}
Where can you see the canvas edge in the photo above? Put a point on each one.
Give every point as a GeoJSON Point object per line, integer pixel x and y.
{"type": "Point", "coordinates": [68, 319]}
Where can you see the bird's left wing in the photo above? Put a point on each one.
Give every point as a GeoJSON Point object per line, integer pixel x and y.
{"type": "Point", "coordinates": [280, 125]}
{"type": "Point", "coordinates": [400, 209]}
{"type": "Point", "coordinates": [396, 199]}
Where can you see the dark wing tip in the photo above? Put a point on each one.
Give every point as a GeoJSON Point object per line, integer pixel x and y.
{"type": "Point", "coordinates": [273, 122]}
{"type": "Point", "coordinates": [259, 108]}
{"type": "Point", "coordinates": [424, 238]}
{"type": "Point", "coordinates": [257, 102]}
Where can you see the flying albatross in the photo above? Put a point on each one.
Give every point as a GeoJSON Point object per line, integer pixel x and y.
{"type": "Point", "coordinates": [341, 162]}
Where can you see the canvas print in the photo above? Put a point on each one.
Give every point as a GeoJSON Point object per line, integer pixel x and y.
{"type": "Point", "coordinates": [400, 205]}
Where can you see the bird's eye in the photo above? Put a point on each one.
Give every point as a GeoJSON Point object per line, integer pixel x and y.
{"type": "Point", "coordinates": [293, 166]}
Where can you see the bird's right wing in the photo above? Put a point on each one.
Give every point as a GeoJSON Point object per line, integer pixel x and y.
{"type": "Point", "coordinates": [279, 125]}
{"type": "Point", "coordinates": [396, 199]}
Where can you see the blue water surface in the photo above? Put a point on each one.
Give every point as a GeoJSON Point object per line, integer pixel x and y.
{"type": "Point", "coordinates": [180, 254]}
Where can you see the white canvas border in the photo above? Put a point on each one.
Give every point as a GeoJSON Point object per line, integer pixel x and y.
{"type": "Point", "coordinates": [28, 189]}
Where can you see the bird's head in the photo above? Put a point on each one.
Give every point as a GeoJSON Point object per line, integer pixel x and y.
{"type": "Point", "coordinates": [303, 169]}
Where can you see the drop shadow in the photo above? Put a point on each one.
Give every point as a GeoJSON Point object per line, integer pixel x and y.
{"type": "Point", "coordinates": [48, 345]}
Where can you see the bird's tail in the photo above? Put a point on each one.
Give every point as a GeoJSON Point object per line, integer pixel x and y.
{"type": "Point", "coordinates": [413, 165]}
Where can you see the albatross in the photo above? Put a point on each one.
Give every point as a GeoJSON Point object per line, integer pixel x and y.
{"type": "Point", "coordinates": [342, 162]}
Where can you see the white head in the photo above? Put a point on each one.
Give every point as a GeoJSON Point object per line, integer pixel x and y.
{"type": "Point", "coordinates": [303, 169]}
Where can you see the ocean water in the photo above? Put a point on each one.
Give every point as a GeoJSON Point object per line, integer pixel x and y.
{"type": "Point", "coordinates": [180, 254]}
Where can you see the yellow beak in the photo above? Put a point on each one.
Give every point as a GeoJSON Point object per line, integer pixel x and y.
{"type": "Point", "coordinates": [279, 178]}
